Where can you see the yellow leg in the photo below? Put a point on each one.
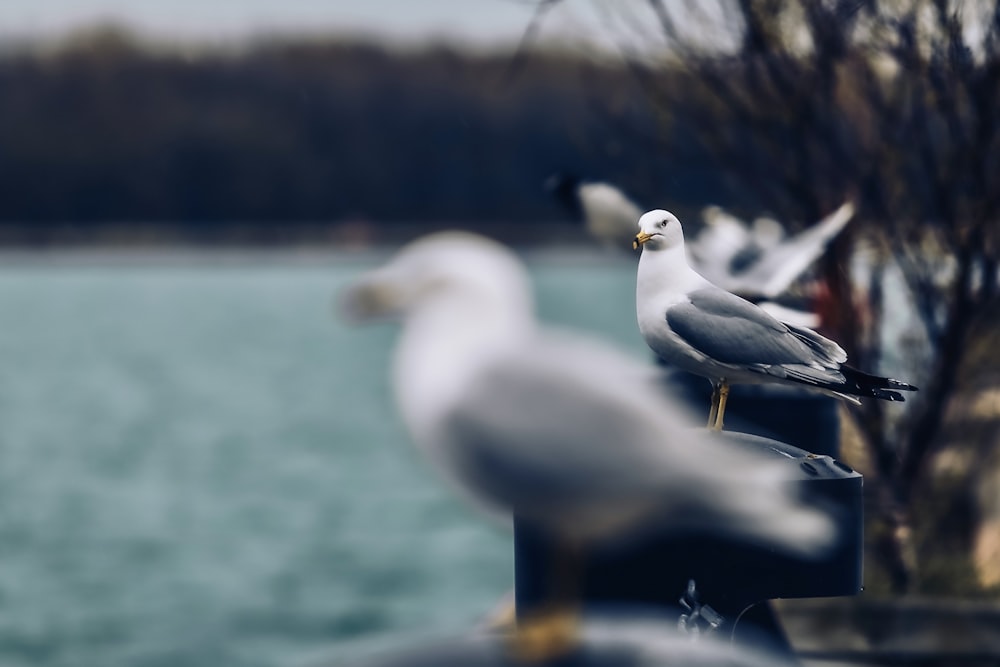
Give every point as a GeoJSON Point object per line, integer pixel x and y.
{"type": "Point", "coordinates": [552, 630]}
{"type": "Point", "coordinates": [723, 395]}
{"type": "Point", "coordinates": [713, 412]}
{"type": "Point", "coordinates": [545, 634]}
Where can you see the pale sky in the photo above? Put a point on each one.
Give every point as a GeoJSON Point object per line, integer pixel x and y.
{"type": "Point", "coordinates": [488, 21]}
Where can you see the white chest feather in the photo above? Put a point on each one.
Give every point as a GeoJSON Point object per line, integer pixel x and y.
{"type": "Point", "coordinates": [438, 358]}
{"type": "Point", "coordinates": [663, 279]}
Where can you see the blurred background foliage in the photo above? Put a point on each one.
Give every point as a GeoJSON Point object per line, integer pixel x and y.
{"type": "Point", "coordinates": [299, 134]}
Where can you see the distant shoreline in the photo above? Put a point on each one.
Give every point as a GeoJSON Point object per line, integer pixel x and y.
{"type": "Point", "coordinates": [235, 255]}
{"type": "Point", "coordinates": [266, 237]}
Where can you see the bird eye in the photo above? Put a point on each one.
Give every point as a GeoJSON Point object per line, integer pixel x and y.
{"type": "Point", "coordinates": [663, 223]}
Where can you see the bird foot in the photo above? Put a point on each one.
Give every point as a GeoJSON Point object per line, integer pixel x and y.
{"type": "Point", "coordinates": [544, 635]}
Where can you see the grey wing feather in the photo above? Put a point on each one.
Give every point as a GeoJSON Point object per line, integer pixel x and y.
{"type": "Point", "coordinates": [831, 353]}
{"type": "Point", "coordinates": [720, 302]}
{"type": "Point", "coordinates": [554, 419]}
{"type": "Point", "coordinates": [582, 440]}
{"type": "Point", "coordinates": [733, 331]}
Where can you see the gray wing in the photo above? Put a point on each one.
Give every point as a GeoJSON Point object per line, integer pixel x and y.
{"type": "Point", "coordinates": [731, 330]}
{"type": "Point", "coordinates": [549, 429]}
{"type": "Point", "coordinates": [586, 443]}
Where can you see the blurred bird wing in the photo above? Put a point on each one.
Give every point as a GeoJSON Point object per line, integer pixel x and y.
{"type": "Point", "coordinates": [556, 431]}
{"type": "Point", "coordinates": [550, 427]}
{"type": "Point", "coordinates": [781, 264]}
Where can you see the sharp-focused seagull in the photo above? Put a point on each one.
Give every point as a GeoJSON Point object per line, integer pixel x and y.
{"type": "Point", "coordinates": [561, 430]}
{"type": "Point", "coordinates": [757, 262]}
{"type": "Point", "coordinates": [701, 328]}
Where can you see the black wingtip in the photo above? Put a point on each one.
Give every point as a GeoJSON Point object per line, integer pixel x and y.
{"type": "Point", "coordinates": [902, 386]}
{"type": "Point", "coordinates": [887, 395]}
{"type": "Point", "coordinates": [863, 384]}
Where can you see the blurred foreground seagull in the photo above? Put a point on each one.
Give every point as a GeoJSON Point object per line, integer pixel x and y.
{"type": "Point", "coordinates": [701, 328]}
{"type": "Point", "coordinates": [563, 431]}
{"type": "Point", "coordinates": [632, 639]}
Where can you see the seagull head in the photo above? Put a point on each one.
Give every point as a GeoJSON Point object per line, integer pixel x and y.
{"type": "Point", "coordinates": [454, 268]}
{"type": "Point", "coordinates": [658, 230]}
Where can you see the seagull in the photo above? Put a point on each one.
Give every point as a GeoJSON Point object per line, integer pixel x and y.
{"type": "Point", "coordinates": [701, 328]}
{"type": "Point", "coordinates": [721, 239]}
{"type": "Point", "coordinates": [608, 214]}
{"type": "Point", "coordinates": [757, 262]}
{"type": "Point", "coordinates": [568, 433]}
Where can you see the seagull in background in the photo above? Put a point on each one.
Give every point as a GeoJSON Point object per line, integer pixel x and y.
{"type": "Point", "coordinates": [756, 262]}
{"type": "Point", "coordinates": [607, 213]}
{"type": "Point", "coordinates": [703, 329]}
{"type": "Point", "coordinates": [730, 245]}
{"type": "Point", "coordinates": [568, 433]}
{"type": "Point", "coordinates": [722, 238]}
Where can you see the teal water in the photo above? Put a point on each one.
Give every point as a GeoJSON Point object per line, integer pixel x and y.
{"type": "Point", "coordinates": [199, 465]}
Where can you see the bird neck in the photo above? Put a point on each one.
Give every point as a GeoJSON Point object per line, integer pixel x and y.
{"type": "Point", "coordinates": [666, 270]}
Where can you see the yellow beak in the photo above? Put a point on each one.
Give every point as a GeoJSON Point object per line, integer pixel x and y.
{"type": "Point", "coordinates": [640, 239]}
{"type": "Point", "coordinates": [367, 300]}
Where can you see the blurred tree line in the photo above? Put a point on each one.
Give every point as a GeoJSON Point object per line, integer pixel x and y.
{"type": "Point", "coordinates": [287, 134]}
